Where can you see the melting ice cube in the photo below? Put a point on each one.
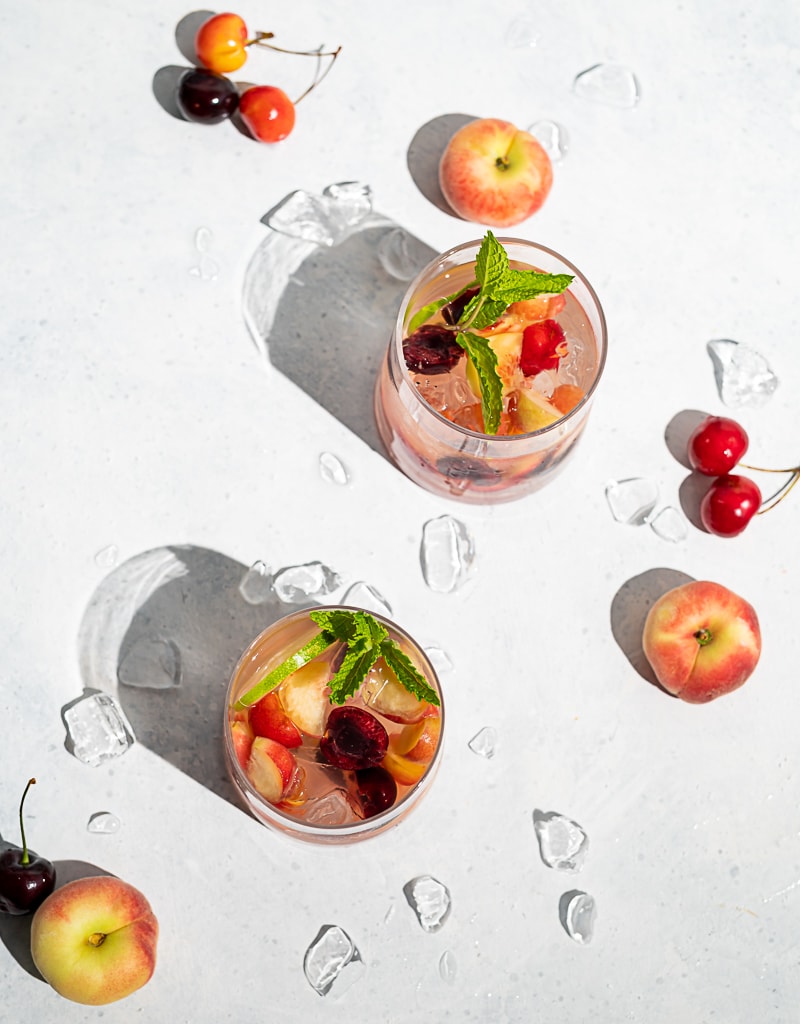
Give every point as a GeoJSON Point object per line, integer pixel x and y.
{"type": "Point", "coordinates": [98, 728]}
{"type": "Point", "coordinates": [151, 663]}
{"type": "Point", "coordinates": [325, 219]}
{"type": "Point", "coordinates": [107, 557]}
{"type": "Point", "coordinates": [334, 808]}
{"type": "Point", "coordinates": [553, 138]}
{"type": "Point", "coordinates": [612, 84]}
{"type": "Point", "coordinates": [743, 377]}
{"type": "Point", "coordinates": [448, 967]}
{"type": "Point", "coordinates": [400, 255]}
{"type": "Point", "coordinates": [207, 269]}
{"type": "Point", "coordinates": [670, 525]}
{"type": "Point", "coordinates": [632, 501]}
{"type": "Point", "coordinates": [332, 469]}
{"type": "Point", "coordinates": [440, 659]}
{"type": "Point", "coordinates": [430, 901]}
{"type": "Point", "coordinates": [298, 583]}
{"type": "Point", "coordinates": [562, 842]}
{"type": "Point", "coordinates": [579, 916]}
{"type": "Point", "coordinates": [104, 823]}
{"type": "Point", "coordinates": [332, 958]}
{"type": "Point", "coordinates": [256, 584]}
{"type": "Point", "coordinates": [484, 742]}
{"type": "Point", "coordinates": [447, 554]}
{"type": "Point", "coordinates": [362, 595]}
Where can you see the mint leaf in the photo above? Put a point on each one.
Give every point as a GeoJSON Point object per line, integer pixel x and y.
{"type": "Point", "coordinates": [348, 626]}
{"type": "Point", "coordinates": [484, 360]}
{"type": "Point", "coordinates": [482, 312]}
{"type": "Point", "coordinates": [407, 672]}
{"type": "Point", "coordinates": [321, 642]}
{"type": "Point", "coordinates": [518, 285]}
{"type": "Point", "coordinates": [353, 671]}
{"type": "Point", "coordinates": [491, 263]}
{"type": "Point", "coordinates": [425, 313]}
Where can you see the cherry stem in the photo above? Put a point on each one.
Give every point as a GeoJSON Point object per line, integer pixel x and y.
{"type": "Point", "coordinates": [761, 469]}
{"type": "Point", "coordinates": [261, 40]}
{"type": "Point", "coordinates": [25, 858]}
{"type": "Point", "coordinates": [781, 492]}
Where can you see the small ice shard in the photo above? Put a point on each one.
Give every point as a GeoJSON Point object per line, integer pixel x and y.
{"type": "Point", "coordinates": [333, 808]}
{"type": "Point", "coordinates": [332, 958]}
{"type": "Point", "coordinates": [439, 659]}
{"type": "Point", "coordinates": [670, 525]}
{"type": "Point", "coordinates": [447, 554]}
{"type": "Point", "coordinates": [553, 138]}
{"type": "Point", "coordinates": [332, 469]}
{"type": "Point", "coordinates": [612, 84]}
{"type": "Point", "coordinates": [743, 377]}
{"type": "Point", "coordinates": [522, 33]}
{"type": "Point", "coordinates": [151, 663]}
{"type": "Point", "coordinates": [107, 557]}
{"type": "Point", "coordinates": [325, 219]}
{"type": "Point", "coordinates": [579, 915]}
{"type": "Point", "coordinates": [362, 595]}
{"type": "Point", "coordinates": [397, 256]}
{"type": "Point", "coordinates": [430, 901]}
{"type": "Point", "coordinates": [484, 742]}
{"type": "Point", "coordinates": [297, 584]}
{"type": "Point", "coordinates": [448, 967]}
{"type": "Point", "coordinates": [256, 584]}
{"type": "Point", "coordinates": [103, 823]}
{"type": "Point", "coordinates": [632, 501]}
{"type": "Point", "coordinates": [207, 269]}
{"type": "Point", "coordinates": [98, 729]}
{"type": "Point", "coordinates": [202, 239]}
{"type": "Point", "coordinates": [563, 844]}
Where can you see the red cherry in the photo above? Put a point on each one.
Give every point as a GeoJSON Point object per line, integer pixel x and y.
{"type": "Point", "coordinates": [373, 789]}
{"type": "Point", "coordinates": [716, 446]}
{"type": "Point", "coordinates": [543, 344]}
{"type": "Point", "coordinates": [353, 739]}
{"type": "Point", "coordinates": [729, 505]}
{"type": "Point", "coordinates": [268, 112]}
{"type": "Point", "coordinates": [220, 43]}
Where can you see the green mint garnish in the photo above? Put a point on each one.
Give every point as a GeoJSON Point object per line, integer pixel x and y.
{"type": "Point", "coordinates": [498, 286]}
{"type": "Point", "coordinates": [366, 640]}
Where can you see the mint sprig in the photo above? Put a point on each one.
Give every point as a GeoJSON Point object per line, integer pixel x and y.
{"type": "Point", "coordinates": [365, 640]}
{"type": "Point", "coordinates": [498, 286]}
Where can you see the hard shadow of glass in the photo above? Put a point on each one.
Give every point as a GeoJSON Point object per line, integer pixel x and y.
{"type": "Point", "coordinates": [188, 598]}
{"type": "Point", "coordinates": [324, 315]}
{"type": "Point", "coordinates": [629, 610]}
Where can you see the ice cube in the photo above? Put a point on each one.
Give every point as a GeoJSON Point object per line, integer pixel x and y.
{"type": "Point", "coordinates": [447, 554]}
{"type": "Point", "coordinates": [332, 958]}
{"type": "Point", "coordinates": [333, 808]}
{"type": "Point", "coordinates": [97, 728]}
{"type": "Point", "coordinates": [743, 377]}
{"type": "Point", "coordinates": [104, 823]}
{"type": "Point", "coordinates": [580, 914]}
{"type": "Point", "coordinates": [553, 138]}
{"type": "Point", "coordinates": [430, 901]}
{"type": "Point", "coordinates": [350, 202]}
{"type": "Point", "coordinates": [670, 525]}
{"type": "Point", "coordinates": [400, 255]}
{"type": "Point", "coordinates": [362, 595]}
{"type": "Point", "coordinates": [612, 84]}
{"type": "Point", "coordinates": [256, 584]}
{"type": "Point", "coordinates": [325, 219]}
{"type": "Point", "coordinates": [632, 501]}
{"type": "Point", "coordinates": [151, 663]}
{"type": "Point", "coordinates": [484, 742]}
{"type": "Point", "coordinates": [448, 967]}
{"type": "Point", "coordinates": [107, 557]}
{"type": "Point", "coordinates": [332, 469]}
{"type": "Point", "coordinates": [440, 659]}
{"type": "Point", "coordinates": [563, 844]}
{"type": "Point", "coordinates": [296, 584]}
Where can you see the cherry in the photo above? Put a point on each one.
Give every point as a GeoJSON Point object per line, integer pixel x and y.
{"type": "Point", "coordinates": [543, 344]}
{"type": "Point", "coordinates": [729, 505]}
{"type": "Point", "coordinates": [453, 310]}
{"type": "Point", "coordinates": [220, 43]}
{"type": "Point", "coordinates": [373, 789]}
{"type": "Point", "coordinates": [716, 446]}
{"type": "Point", "coordinates": [26, 879]}
{"type": "Point", "coordinates": [268, 112]}
{"type": "Point", "coordinates": [353, 739]}
{"type": "Point", "coordinates": [431, 349]}
{"type": "Point", "coordinates": [206, 97]}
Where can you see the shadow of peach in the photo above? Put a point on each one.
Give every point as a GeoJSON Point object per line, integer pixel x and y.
{"type": "Point", "coordinates": [425, 153]}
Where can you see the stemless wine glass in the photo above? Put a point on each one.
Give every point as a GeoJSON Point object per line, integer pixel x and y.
{"type": "Point", "coordinates": [418, 415]}
{"type": "Point", "coordinates": [317, 800]}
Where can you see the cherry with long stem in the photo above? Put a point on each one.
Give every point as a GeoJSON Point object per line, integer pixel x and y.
{"type": "Point", "coordinates": [783, 490]}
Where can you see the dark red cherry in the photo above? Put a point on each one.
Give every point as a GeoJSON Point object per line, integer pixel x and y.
{"type": "Point", "coordinates": [206, 97]}
{"type": "Point", "coordinates": [453, 310]}
{"type": "Point", "coordinates": [431, 349]}
{"type": "Point", "coordinates": [373, 789]}
{"type": "Point", "coordinates": [26, 879]}
{"type": "Point", "coordinates": [353, 739]}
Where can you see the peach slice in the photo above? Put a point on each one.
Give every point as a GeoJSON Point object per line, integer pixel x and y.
{"type": "Point", "coordinates": [304, 695]}
{"type": "Point", "coordinates": [534, 411]}
{"type": "Point", "coordinates": [566, 396]}
{"type": "Point", "coordinates": [403, 770]}
{"type": "Point", "coordinates": [271, 768]}
{"type": "Point", "coordinates": [383, 692]}
{"type": "Point", "coordinates": [242, 736]}
{"type": "Point", "coordinates": [507, 346]}
{"type": "Point", "coordinates": [418, 742]}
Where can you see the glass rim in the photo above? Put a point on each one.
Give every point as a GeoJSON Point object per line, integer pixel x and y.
{"type": "Point", "coordinates": [504, 240]}
{"type": "Point", "coordinates": [287, 823]}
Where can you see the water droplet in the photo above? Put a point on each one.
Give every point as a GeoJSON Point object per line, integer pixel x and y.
{"type": "Point", "coordinates": [332, 469]}
{"type": "Point", "coordinates": [522, 33]}
{"type": "Point", "coordinates": [632, 501]}
{"type": "Point", "coordinates": [440, 659]}
{"type": "Point", "coordinates": [553, 138]}
{"type": "Point", "coordinates": [151, 663]}
{"type": "Point", "coordinates": [611, 84]}
{"type": "Point", "coordinates": [332, 959]}
{"type": "Point", "coordinates": [430, 901]}
{"type": "Point", "coordinates": [104, 823]}
{"type": "Point", "coordinates": [579, 915]}
{"type": "Point", "coordinates": [256, 584]}
{"type": "Point", "coordinates": [107, 557]}
{"type": "Point", "coordinates": [563, 844]}
{"type": "Point", "coordinates": [203, 238]}
{"type": "Point", "coordinates": [447, 554]}
{"type": "Point", "coordinates": [298, 583]}
{"type": "Point", "coordinates": [743, 377]}
{"type": "Point", "coordinates": [484, 742]}
{"type": "Point", "coordinates": [97, 728]}
{"type": "Point", "coordinates": [670, 525]}
{"type": "Point", "coordinates": [362, 595]}
{"type": "Point", "coordinates": [448, 967]}
{"type": "Point", "coordinates": [401, 255]}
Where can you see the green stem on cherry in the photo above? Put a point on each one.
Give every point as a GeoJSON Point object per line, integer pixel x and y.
{"type": "Point", "coordinates": [260, 39]}
{"type": "Point", "coordinates": [25, 858]}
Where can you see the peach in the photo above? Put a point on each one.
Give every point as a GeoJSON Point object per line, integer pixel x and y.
{"type": "Point", "coordinates": [494, 174]}
{"type": "Point", "coordinates": [402, 769]}
{"type": "Point", "coordinates": [383, 692]}
{"type": "Point", "coordinates": [304, 695]}
{"type": "Point", "coordinates": [94, 940]}
{"type": "Point", "coordinates": [418, 742]}
{"type": "Point", "coordinates": [271, 768]}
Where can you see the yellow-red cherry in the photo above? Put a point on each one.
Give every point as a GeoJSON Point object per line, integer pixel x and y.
{"type": "Point", "coordinates": [220, 43]}
{"type": "Point", "coordinates": [267, 112]}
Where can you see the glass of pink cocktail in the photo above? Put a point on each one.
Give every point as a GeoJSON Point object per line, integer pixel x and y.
{"type": "Point", "coordinates": [489, 378]}
{"type": "Point", "coordinates": [333, 725]}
